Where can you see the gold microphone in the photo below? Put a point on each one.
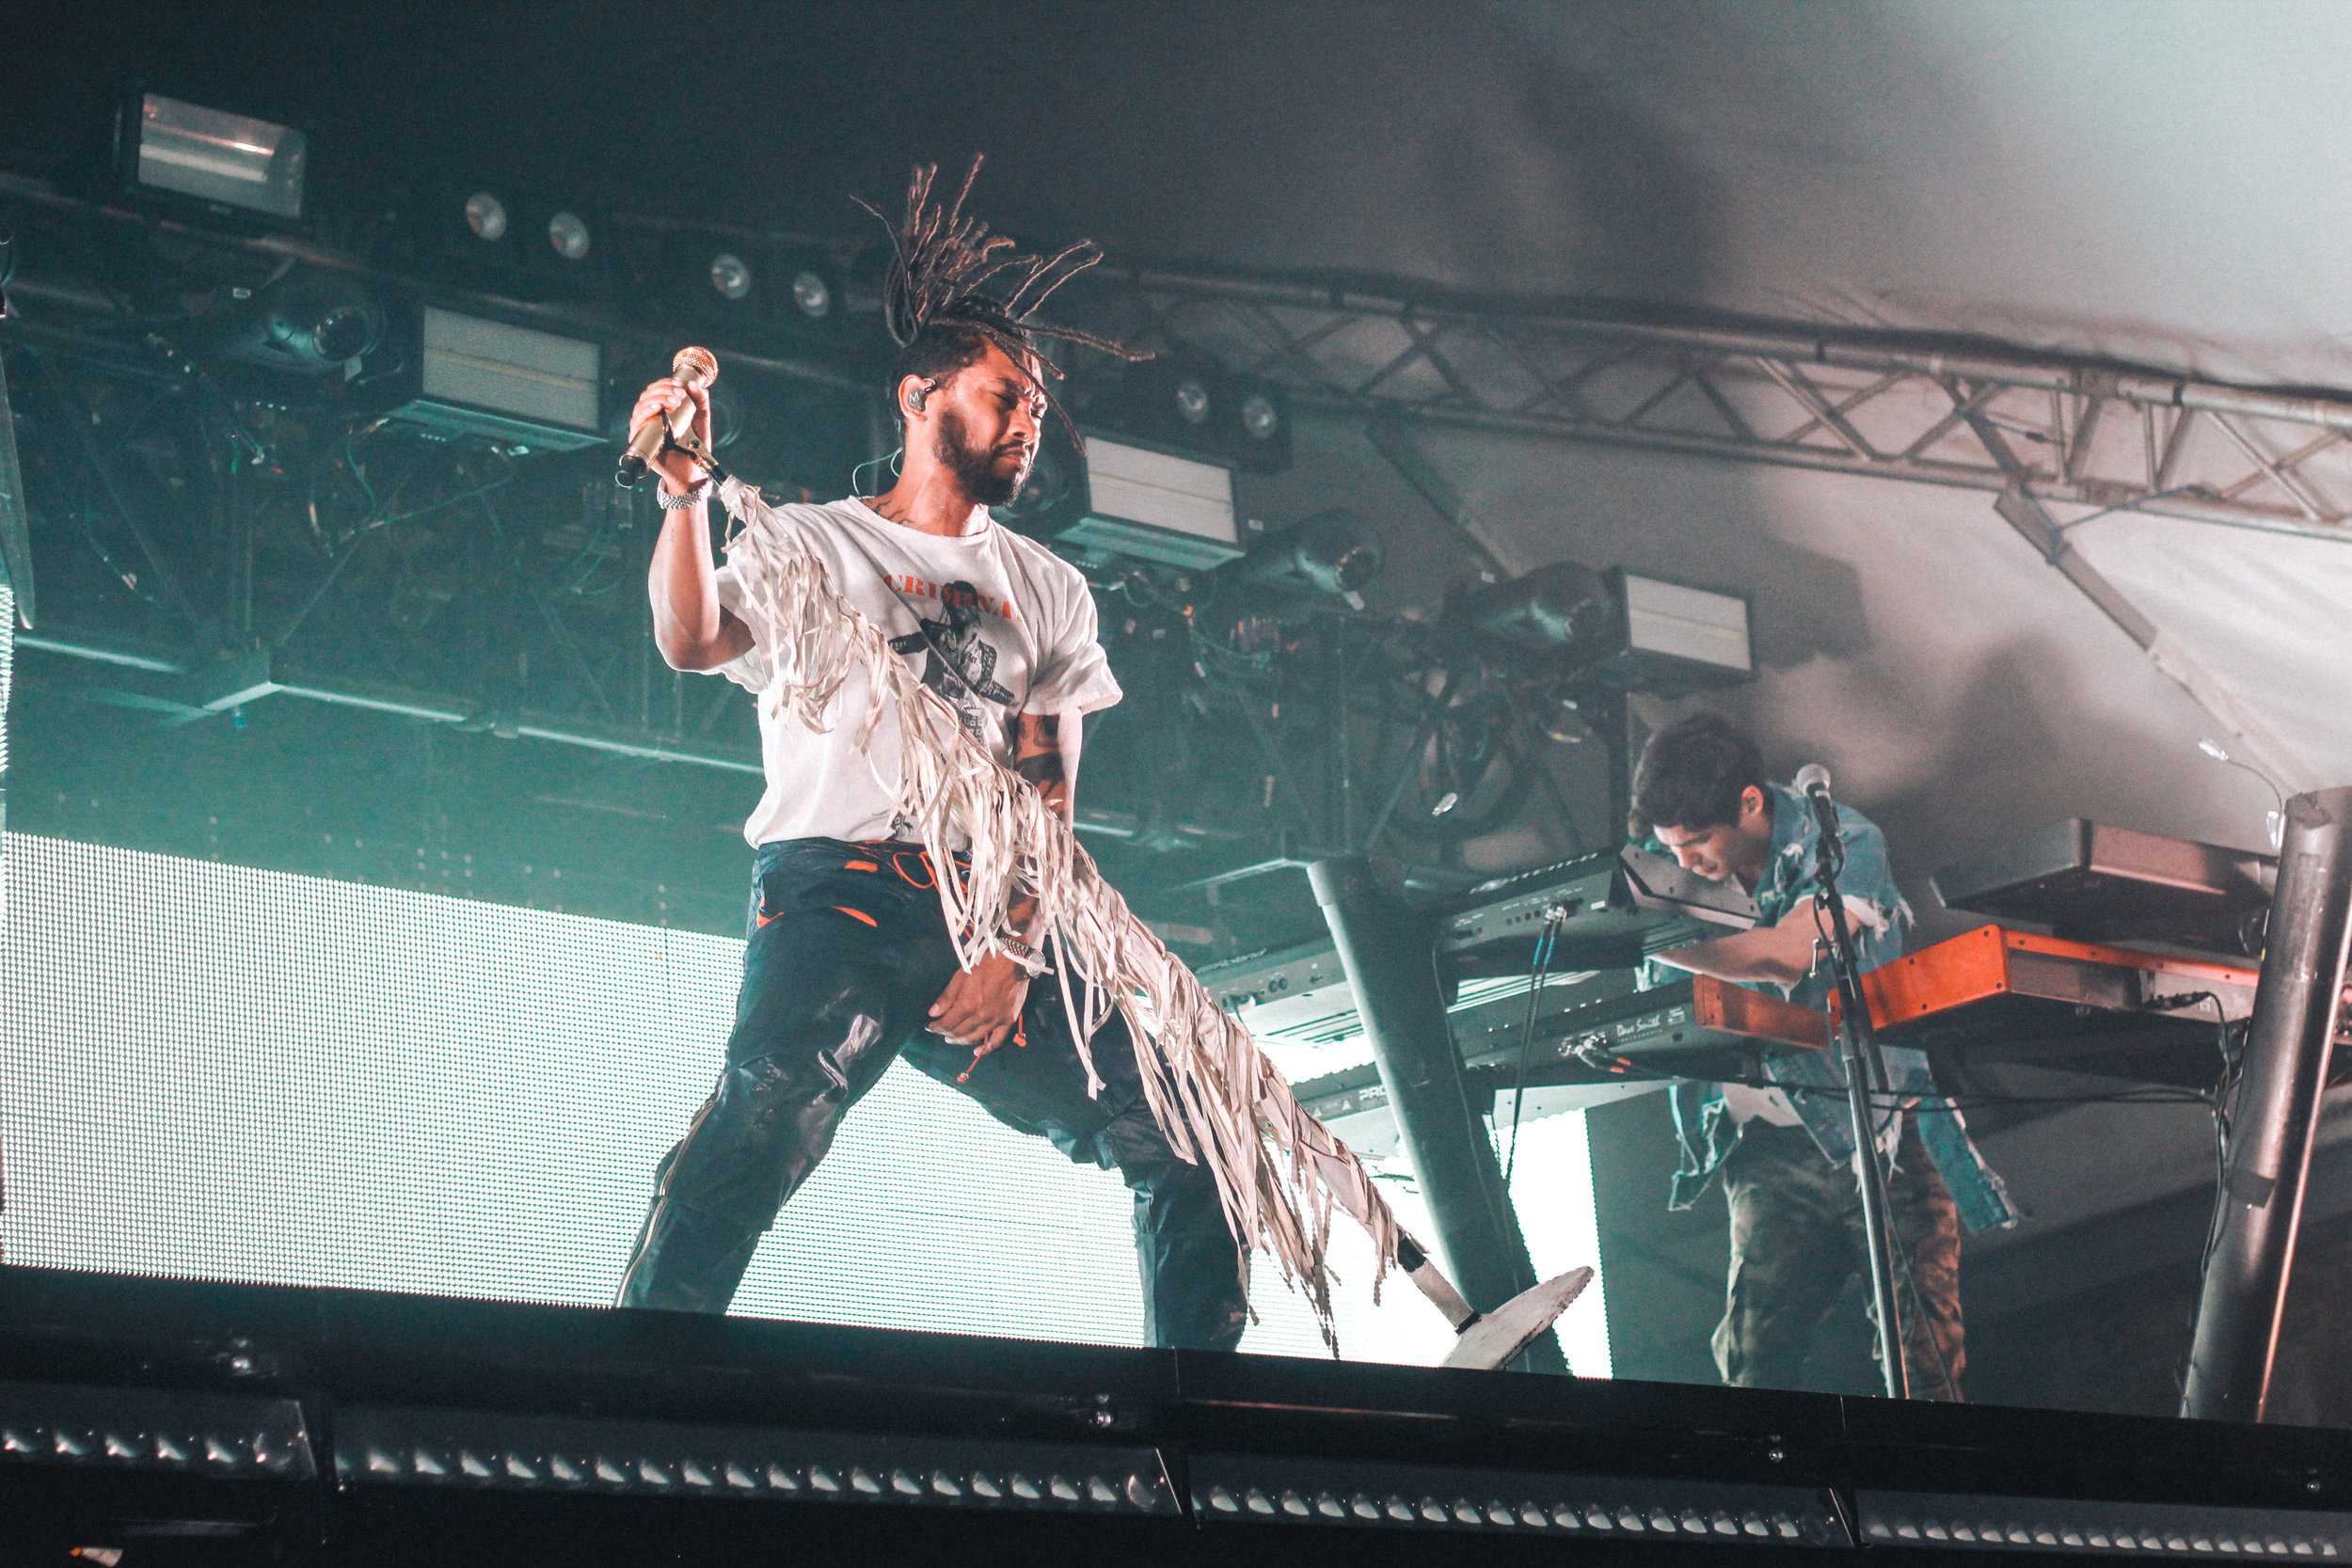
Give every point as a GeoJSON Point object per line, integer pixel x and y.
{"type": "Point", "coordinates": [696, 368]}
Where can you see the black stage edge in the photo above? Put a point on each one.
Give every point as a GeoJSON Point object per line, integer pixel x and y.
{"type": "Point", "coordinates": [187, 1422]}
{"type": "Point", "coordinates": [2289, 1041]}
{"type": "Point", "coordinates": [1385, 948]}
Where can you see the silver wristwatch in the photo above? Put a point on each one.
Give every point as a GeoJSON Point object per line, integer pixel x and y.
{"type": "Point", "coordinates": [679, 503]}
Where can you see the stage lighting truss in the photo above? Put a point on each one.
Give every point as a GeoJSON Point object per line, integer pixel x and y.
{"type": "Point", "coordinates": [1246, 1489]}
{"type": "Point", "coordinates": [478, 1448]}
{"type": "Point", "coordinates": [142, 1429]}
{"type": "Point", "coordinates": [2075, 433]}
{"type": "Point", "coordinates": [1928, 1520]}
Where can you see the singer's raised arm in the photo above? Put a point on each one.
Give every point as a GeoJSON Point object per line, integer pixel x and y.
{"type": "Point", "coordinates": [690, 627]}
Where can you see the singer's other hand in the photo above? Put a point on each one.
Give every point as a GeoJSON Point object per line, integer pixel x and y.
{"type": "Point", "coordinates": [659, 399]}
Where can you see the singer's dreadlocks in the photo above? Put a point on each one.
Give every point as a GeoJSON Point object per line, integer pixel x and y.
{"type": "Point", "coordinates": [954, 288]}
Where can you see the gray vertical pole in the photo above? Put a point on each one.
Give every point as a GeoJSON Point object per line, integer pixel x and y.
{"type": "Point", "coordinates": [2287, 1048]}
{"type": "Point", "coordinates": [1386, 950]}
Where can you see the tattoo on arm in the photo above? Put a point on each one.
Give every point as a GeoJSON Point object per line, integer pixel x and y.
{"type": "Point", "coordinates": [1040, 756]}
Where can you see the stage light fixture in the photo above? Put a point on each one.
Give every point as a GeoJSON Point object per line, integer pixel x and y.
{"type": "Point", "coordinates": [501, 236]}
{"type": "Point", "coordinates": [1194, 408]}
{"type": "Point", "coordinates": [1934, 1521]}
{"type": "Point", "coordinates": [481, 1448]}
{"type": "Point", "coordinates": [1191, 401]}
{"type": "Point", "coordinates": [1260, 419]}
{"type": "Point", "coordinates": [1564, 604]}
{"type": "Point", "coordinates": [313, 324]}
{"type": "Point", "coordinates": [756, 294]}
{"type": "Point", "coordinates": [453, 375]}
{"type": "Point", "coordinates": [187, 150]}
{"type": "Point", "coordinates": [811, 295]}
{"type": "Point", "coordinates": [567, 233]}
{"type": "Point", "coordinates": [154, 1429]}
{"type": "Point", "coordinates": [1129, 503]}
{"type": "Point", "coordinates": [1331, 552]}
{"type": "Point", "coordinates": [1228, 1489]}
{"type": "Point", "coordinates": [730, 276]}
{"type": "Point", "coordinates": [485, 216]}
{"type": "Point", "coordinates": [1677, 639]}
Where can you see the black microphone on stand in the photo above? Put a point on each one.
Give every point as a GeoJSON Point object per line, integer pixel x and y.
{"type": "Point", "coordinates": [696, 369]}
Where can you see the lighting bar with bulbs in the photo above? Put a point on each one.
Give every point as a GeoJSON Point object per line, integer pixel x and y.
{"type": "Point", "coordinates": [1252, 1489]}
{"type": "Point", "coordinates": [377, 1445]}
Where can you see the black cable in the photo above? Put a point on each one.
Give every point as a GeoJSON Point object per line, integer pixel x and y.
{"type": "Point", "coordinates": [1545, 945]}
{"type": "Point", "coordinates": [2224, 1098]}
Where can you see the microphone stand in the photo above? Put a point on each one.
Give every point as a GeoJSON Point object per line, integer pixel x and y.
{"type": "Point", "coordinates": [1858, 1055]}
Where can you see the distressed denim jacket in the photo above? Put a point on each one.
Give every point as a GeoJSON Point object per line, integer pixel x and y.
{"type": "Point", "coordinates": [1815, 1080]}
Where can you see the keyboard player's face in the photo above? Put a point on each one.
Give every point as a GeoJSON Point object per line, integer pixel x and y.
{"type": "Point", "coordinates": [1725, 849]}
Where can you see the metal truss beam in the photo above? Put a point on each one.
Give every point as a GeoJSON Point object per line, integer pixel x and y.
{"type": "Point", "coordinates": [1892, 405]}
{"type": "Point", "coordinates": [212, 686]}
{"type": "Point", "coordinates": [1882, 404]}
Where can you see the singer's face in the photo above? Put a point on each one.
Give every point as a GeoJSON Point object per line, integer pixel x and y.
{"type": "Point", "coordinates": [988, 427]}
{"type": "Point", "coordinates": [1723, 850]}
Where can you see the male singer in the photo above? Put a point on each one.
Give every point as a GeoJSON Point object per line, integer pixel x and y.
{"type": "Point", "coordinates": [1784, 1150]}
{"type": "Point", "coordinates": [849, 963]}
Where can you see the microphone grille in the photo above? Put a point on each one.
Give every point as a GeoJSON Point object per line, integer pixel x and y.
{"type": "Point", "coordinates": [695, 364]}
{"type": "Point", "coordinates": [1810, 777]}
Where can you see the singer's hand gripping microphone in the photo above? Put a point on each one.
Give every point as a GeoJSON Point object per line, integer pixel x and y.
{"type": "Point", "coordinates": [695, 368]}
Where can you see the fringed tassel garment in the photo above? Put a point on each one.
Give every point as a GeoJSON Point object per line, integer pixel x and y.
{"type": "Point", "coordinates": [1220, 1101]}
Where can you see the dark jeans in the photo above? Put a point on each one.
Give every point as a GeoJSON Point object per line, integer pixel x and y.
{"type": "Point", "coordinates": [1796, 1239]}
{"type": "Point", "coordinates": [848, 949]}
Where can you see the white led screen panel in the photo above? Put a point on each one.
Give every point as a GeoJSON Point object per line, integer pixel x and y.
{"type": "Point", "coordinates": [224, 1073]}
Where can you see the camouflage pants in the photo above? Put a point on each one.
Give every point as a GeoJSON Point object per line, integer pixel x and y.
{"type": "Point", "coordinates": [1796, 1239]}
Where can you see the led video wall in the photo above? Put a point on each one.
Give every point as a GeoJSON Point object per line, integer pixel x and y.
{"type": "Point", "coordinates": [217, 1073]}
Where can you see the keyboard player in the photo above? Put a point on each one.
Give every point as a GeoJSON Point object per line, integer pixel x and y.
{"type": "Point", "coordinates": [1783, 1149]}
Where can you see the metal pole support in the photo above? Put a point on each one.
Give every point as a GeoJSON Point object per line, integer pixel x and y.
{"type": "Point", "coordinates": [1866, 1076]}
{"type": "Point", "coordinates": [2288, 1043]}
{"type": "Point", "coordinates": [1385, 951]}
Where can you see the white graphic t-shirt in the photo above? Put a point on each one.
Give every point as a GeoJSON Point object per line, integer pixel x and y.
{"type": "Point", "coordinates": [995, 623]}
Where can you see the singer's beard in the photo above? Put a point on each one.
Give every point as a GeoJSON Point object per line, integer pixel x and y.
{"type": "Point", "coordinates": [982, 475]}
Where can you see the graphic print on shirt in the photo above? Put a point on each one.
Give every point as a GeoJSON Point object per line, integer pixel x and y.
{"type": "Point", "coordinates": [957, 638]}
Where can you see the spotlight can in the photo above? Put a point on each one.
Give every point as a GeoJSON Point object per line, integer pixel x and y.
{"type": "Point", "coordinates": [485, 216]}
{"type": "Point", "coordinates": [811, 295]}
{"type": "Point", "coordinates": [311, 323]}
{"type": "Point", "coordinates": [567, 233]}
{"type": "Point", "coordinates": [1331, 552]}
{"type": "Point", "coordinates": [731, 276]}
{"type": "Point", "coordinates": [1260, 419]}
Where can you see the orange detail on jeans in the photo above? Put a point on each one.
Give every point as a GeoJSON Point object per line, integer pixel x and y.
{"type": "Point", "coordinates": [859, 865]}
{"type": "Point", "coordinates": [859, 914]}
{"type": "Point", "coordinates": [922, 859]}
